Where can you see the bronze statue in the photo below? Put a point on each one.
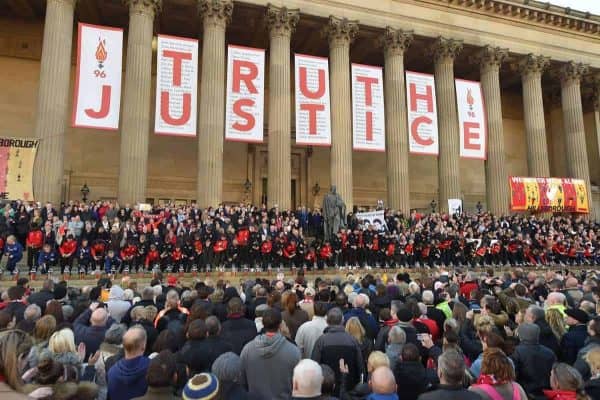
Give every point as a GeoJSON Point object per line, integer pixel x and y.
{"type": "Point", "coordinates": [334, 213]}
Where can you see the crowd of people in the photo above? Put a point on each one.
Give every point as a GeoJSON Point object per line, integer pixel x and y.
{"type": "Point", "coordinates": [102, 236]}
{"type": "Point", "coordinates": [439, 334]}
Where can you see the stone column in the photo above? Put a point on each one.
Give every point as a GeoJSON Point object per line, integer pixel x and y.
{"type": "Point", "coordinates": [532, 67]}
{"type": "Point", "coordinates": [575, 145]}
{"type": "Point", "coordinates": [444, 51]}
{"type": "Point", "coordinates": [281, 22]}
{"type": "Point", "coordinates": [135, 128]}
{"type": "Point", "coordinates": [53, 100]}
{"type": "Point", "coordinates": [340, 33]}
{"type": "Point", "coordinates": [496, 178]}
{"type": "Point", "coordinates": [395, 42]}
{"type": "Point", "coordinates": [215, 15]}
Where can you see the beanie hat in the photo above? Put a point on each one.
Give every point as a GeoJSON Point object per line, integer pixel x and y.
{"type": "Point", "coordinates": [529, 333]}
{"type": "Point", "coordinates": [404, 314]}
{"type": "Point", "coordinates": [201, 387]}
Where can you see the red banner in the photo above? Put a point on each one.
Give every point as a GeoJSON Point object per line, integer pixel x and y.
{"type": "Point", "coordinates": [548, 195]}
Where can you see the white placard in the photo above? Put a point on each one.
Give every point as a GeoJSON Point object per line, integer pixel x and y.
{"type": "Point", "coordinates": [368, 115]}
{"type": "Point", "coordinates": [176, 86]}
{"type": "Point", "coordinates": [422, 114]}
{"type": "Point", "coordinates": [455, 206]}
{"type": "Point", "coordinates": [472, 119]}
{"type": "Point", "coordinates": [244, 114]}
{"type": "Point", "coordinates": [313, 118]}
{"type": "Point", "coordinates": [375, 218]}
{"type": "Point", "coordinates": [97, 98]}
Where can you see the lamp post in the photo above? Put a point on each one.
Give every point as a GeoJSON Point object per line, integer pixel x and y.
{"type": "Point", "coordinates": [479, 207]}
{"type": "Point", "coordinates": [433, 206]}
{"type": "Point", "coordinates": [316, 189]}
{"type": "Point", "coordinates": [85, 190]}
{"type": "Point", "coordinates": [247, 188]}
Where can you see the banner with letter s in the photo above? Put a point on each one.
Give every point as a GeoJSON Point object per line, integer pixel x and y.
{"type": "Point", "coordinates": [313, 118]}
{"type": "Point", "coordinates": [176, 86]}
{"type": "Point", "coordinates": [548, 195]}
{"type": "Point", "coordinates": [98, 78]}
{"type": "Point", "coordinates": [17, 156]}
{"type": "Point", "coordinates": [368, 119]}
{"type": "Point", "coordinates": [423, 135]}
{"type": "Point", "coordinates": [244, 112]}
{"type": "Point", "coordinates": [472, 121]}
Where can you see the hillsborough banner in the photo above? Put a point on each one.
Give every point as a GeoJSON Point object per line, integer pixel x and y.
{"type": "Point", "coordinates": [98, 78]}
{"type": "Point", "coordinates": [548, 195]}
{"type": "Point", "coordinates": [471, 119]}
{"type": "Point", "coordinates": [313, 121]}
{"type": "Point", "coordinates": [176, 86]}
{"type": "Point", "coordinates": [368, 114]}
{"type": "Point", "coordinates": [422, 114]}
{"type": "Point", "coordinates": [375, 218]}
{"type": "Point", "coordinates": [17, 156]}
{"type": "Point", "coordinates": [244, 114]}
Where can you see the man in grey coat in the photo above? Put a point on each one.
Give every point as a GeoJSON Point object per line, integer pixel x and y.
{"type": "Point", "coordinates": [268, 361]}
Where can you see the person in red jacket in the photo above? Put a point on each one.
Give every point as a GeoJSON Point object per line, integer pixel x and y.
{"type": "Point", "coordinates": [153, 257]}
{"type": "Point", "coordinates": [34, 242]}
{"type": "Point", "coordinates": [266, 247]}
{"type": "Point", "coordinates": [325, 255]}
{"type": "Point", "coordinates": [310, 258]}
{"type": "Point", "coordinates": [289, 253]}
{"type": "Point", "coordinates": [67, 251]}
{"type": "Point", "coordinates": [177, 258]}
{"type": "Point", "coordinates": [128, 255]}
{"type": "Point", "coordinates": [219, 248]}
{"type": "Point", "coordinates": [468, 286]}
{"type": "Point", "coordinates": [98, 253]}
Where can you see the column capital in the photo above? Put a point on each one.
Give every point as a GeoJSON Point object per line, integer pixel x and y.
{"type": "Point", "coordinates": [395, 41]}
{"type": "Point", "coordinates": [445, 49]}
{"type": "Point", "coordinates": [145, 7]}
{"type": "Point", "coordinates": [533, 64]}
{"type": "Point", "coordinates": [72, 3]}
{"type": "Point", "coordinates": [216, 12]}
{"type": "Point", "coordinates": [281, 21]}
{"type": "Point", "coordinates": [490, 57]}
{"type": "Point", "coordinates": [340, 31]}
{"type": "Point", "coordinates": [572, 72]}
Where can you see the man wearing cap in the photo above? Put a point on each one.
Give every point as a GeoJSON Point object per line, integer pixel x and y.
{"type": "Point", "coordinates": [201, 387]}
{"type": "Point", "coordinates": [575, 338]}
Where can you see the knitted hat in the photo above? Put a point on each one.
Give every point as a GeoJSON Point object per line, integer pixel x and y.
{"type": "Point", "coordinates": [201, 387]}
{"type": "Point", "coordinates": [579, 315]}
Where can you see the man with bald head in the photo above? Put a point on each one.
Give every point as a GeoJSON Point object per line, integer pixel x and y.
{"type": "Point", "coordinates": [91, 326]}
{"type": "Point", "coordinates": [383, 385]}
{"type": "Point", "coordinates": [127, 378]}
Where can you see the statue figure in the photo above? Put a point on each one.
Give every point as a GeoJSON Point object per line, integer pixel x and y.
{"type": "Point", "coordinates": [334, 213]}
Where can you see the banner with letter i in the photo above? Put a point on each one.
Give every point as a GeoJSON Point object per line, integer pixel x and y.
{"type": "Point", "coordinates": [368, 119]}
{"type": "Point", "coordinates": [176, 86]}
{"type": "Point", "coordinates": [98, 78]}
{"type": "Point", "coordinates": [244, 112]}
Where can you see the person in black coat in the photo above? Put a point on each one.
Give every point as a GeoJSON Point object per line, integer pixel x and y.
{"type": "Point", "coordinates": [536, 315]}
{"type": "Point", "coordinates": [228, 370]}
{"type": "Point", "coordinates": [90, 328]}
{"type": "Point", "coordinates": [575, 338]}
{"type": "Point", "coordinates": [16, 306]}
{"type": "Point", "coordinates": [203, 346]}
{"type": "Point", "coordinates": [237, 330]}
{"type": "Point", "coordinates": [42, 297]}
{"type": "Point", "coordinates": [413, 378]}
{"type": "Point", "coordinates": [451, 372]}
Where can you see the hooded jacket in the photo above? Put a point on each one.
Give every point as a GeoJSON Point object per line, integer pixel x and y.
{"type": "Point", "coordinates": [533, 362]}
{"type": "Point", "coordinates": [117, 307]}
{"type": "Point", "coordinates": [127, 378]}
{"type": "Point", "coordinates": [268, 364]}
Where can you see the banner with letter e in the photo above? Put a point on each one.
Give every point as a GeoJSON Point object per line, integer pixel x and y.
{"type": "Point", "coordinates": [548, 195]}
{"type": "Point", "coordinates": [17, 156]}
{"type": "Point", "coordinates": [472, 121]}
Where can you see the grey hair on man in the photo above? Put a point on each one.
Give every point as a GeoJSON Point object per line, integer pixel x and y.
{"type": "Point", "coordinates": [228, 367]}
{"type": "Point", "coordinates": [307, 379]}
{"type": "Point", "coordinates": [114, 334]}
{"type": "Point", "coordinates": [335, 317]}
{"type": "Point", "coordinates": [397, 335]}
{"type": "Point", "coordinates": [451, 368]}
{"type": "Point", "coordinates": [32, 313]}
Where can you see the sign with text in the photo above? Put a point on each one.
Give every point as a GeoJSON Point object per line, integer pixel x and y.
{"type": "Point", "coordinates": [375, 218]}
{"type": "Point", "coordinates": [368, 114]}
{"type": "Point", "coordinates": [422, 114]}
{"type": "Point", "coordinates": [17, 156]}
{"type": "Point", "coordinates": [313, 118]}
{"type": "Point", "coordinates": [244, 114]}
{"type": "Point", "coordinates": [548, 195]}
{"type": "Point", "coordinates": [176, 86]}
{"type": "Point", "coordinates": [98, 78]}
{"type": "Point", "coordinates": [471, 119]}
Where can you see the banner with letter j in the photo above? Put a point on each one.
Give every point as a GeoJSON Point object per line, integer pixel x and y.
{"type": "Point", "coordinates": [16, 168]}
{"type": "Point", "coordinates": [548, 195]}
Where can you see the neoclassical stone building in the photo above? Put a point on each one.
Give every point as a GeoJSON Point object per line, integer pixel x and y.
{"type": "Point", "coordinates": [539, 66]}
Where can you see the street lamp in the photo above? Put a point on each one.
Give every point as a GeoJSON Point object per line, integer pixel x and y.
{"type": "Point", "coordinates": [85, 190]}
{"type": "Point", "coordinates": [433, 206]}
{"type": "Point", "coordinates": [479, 207]}
{"type": "Point", "coordinates": [316, 189]}
{"type": "Point", "coordinates": [247, 186]}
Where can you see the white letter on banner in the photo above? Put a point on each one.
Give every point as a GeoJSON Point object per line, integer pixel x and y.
{"type": "Point", "coordinates": [313, 118]}
{"type": "Point", "coordinates": [98, 78]}
{"type": "Point", "coordinates": [176, 86]}
{"type": "Point", "coordinates": [368, 118]}
{"type": "Point", "coordinates": [244, 114]}
{"type": "Point", "coordinates": [471, 119]}
{"type": "Point", "coordinates": [422, 114]}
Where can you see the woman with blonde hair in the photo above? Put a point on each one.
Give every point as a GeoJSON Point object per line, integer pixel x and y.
{"type": "Point", "coordinates": [43, 330]}
{"type": "Point", "coordinates": [556, 320]}
{"type": "Point", "coordinates": [358, 332]}
{"type": "Point", "coordinates": [592, 387]}
{"type": "Point", "coordinates": [362, 390]}
{"type": "Point", "coordinates": [62, 347]}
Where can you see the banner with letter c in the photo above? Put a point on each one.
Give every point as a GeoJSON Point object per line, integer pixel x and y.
{"type": "Point", "coordinates": [368, 119]}
{"type": "Point", "coordinates": [97, 99]}
{"type": "Point", "coordinates": [472, 121]}
{"type": "Point", "coordinates": [313, 118]}
{"type": "Point", "coordinates": [176, 86]}
{"type": "Point", "coordinates": [423, 135]}
{"type": "Point", "coordinates": [548, 195]}
{"type": "Point", "coordinates": [17, 156]}
{"type": "Point", "coordinates": [244, 112]}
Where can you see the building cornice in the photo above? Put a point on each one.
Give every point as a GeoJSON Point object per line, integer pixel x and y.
{"type": "Point", "coordinates": [531, 11]}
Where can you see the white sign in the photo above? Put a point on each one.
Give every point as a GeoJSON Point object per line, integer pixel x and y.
{"type": "Point", "coordinates": [368, 114]}
{"type": "Point", "coordinates": [375, 218]}
{"type": "Point", "coordinates": [455, 206]}
{"type": "Point", "coordinates": [472, 120]}
{"type": "Point", "coordinates": [176, 86]}
{"type": "Point", "coordinates": [422, 114]}
{"type": "Point", "coordinates": [244, 113]}
{"type": "Point", "coordinates": [97, 99]}
{"type": "Point", "coordinates": [313, 118]}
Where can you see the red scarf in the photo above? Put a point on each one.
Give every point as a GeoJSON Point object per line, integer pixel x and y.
{"type": "Point", "coordinates": [390, 322]}
{"type": "Point", "coordinates": [560, 395]}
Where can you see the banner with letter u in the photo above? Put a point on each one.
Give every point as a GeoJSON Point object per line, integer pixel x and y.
{"type": "Point", "coordinates": [98, 78]}
{"type": "Point", "coordinates": [423, 135]}
{"type": "Point", "coordinates": [548, 195]}
{"type": "Point", "coordinates": [17, 156]}
{"type": "Point", "coordinates": [471, 119]}
{"type": "Point", "coordinates": [176, 86]}
{"type": "Point", "coordinates": [244, 113]}
{"type": "Point", "coordinates": [368, 119]}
